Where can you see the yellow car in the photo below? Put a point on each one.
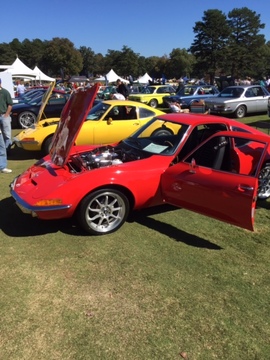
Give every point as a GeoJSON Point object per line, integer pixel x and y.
{"type": "Point", "coordinates": [152, 95]}
{"type": "Point", "coordinates": [108, 121]}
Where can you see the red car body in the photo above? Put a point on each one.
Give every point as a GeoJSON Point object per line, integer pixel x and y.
{"type": "Point", "coordinates": [218, 173]}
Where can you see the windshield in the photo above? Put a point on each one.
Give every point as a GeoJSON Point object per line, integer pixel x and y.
{"type": "Point", "coordinates": [97, 111]}
{"type": "Point", "coordinates": [158, 137]}
{"type": "Point", "coordinates": [36, 100]}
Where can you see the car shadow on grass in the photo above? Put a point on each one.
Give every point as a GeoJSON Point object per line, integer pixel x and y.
{"type": "Point", "coordinates": [263, 204]}
{"type": "Point", "coordinates": [14, 223]}
{"type": "Point", "coordinates": [143, 217]}
{"type": "Point", "coordinates": [263, 125]}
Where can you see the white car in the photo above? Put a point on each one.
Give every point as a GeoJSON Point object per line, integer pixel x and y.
{"type": "Point", "coordinates": [239, 101]}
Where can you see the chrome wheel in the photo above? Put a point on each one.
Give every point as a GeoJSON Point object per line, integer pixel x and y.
{"type": "Point", "coordinates": [26, 119]}
{"type": "Point", "coordinates": [153, 103]}
{"type": "Point", "coordinates": [264, 183]}
{"type": "Point", "coordinates": [103, 211]}
{"type": "Point", "coordinates": [240, 112]}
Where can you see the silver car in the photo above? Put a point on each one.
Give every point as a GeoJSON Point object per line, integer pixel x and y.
{"type": "Point", "coordinates": [239, 101]}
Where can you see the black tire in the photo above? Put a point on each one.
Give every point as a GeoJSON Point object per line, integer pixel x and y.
{"type": "Point", "coordinates": [26, 119]}
{"type": "Point", "coordinates": [47, 145]}
{"type": "Point", "coordinates": [153, 103]}
{"type": "Point", "coordinates": [264, 183]}
{"type": "Point", "coordinates": [162, 132]}
{"type": "Point", "coordinates": [103, 211]}
{"type": "Point", "coordinates": [240, 112]}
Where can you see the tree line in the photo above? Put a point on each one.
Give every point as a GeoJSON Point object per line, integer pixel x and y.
{"type": "Point", "coordinates": [223, 44]}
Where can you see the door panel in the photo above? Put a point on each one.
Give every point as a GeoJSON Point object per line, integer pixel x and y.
{"type": "Point", "coordinates": [225, 196]}
{"type": "Point", "coordinates": [208, 182]}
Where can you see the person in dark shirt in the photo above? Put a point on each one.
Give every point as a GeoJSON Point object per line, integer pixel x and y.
{"type": "Point", "coordinates": [5, 126]}
{"type": "Point", "coordinates": [122, 88]}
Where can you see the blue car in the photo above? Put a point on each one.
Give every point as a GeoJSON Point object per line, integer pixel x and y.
{"type": "Point", "coordinates": [189, 94]}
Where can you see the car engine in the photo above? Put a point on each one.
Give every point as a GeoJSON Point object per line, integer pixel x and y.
{"type": "Point", "coordinates": [103, 156]}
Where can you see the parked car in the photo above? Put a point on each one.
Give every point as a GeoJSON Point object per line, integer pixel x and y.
{"type": "Point", "coordinates": [24, 114]}
{"type": "Point", "coordinates": [239, 101]}
{"type": "Point", "coordinates": [107, 122]}
{"type": "Point", "coordinates": [28, 95]}
{"type": "Point", "coordinates": [190, 94]}
{"type": "Point", "coordinates": [105, 92]}
{"type": "Point", "coordinates": [211, 165]}
{"type": "Point", "coordinates": [152, 95]}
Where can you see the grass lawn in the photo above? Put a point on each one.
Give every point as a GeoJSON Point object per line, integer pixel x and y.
{"type": "Point", "coordinates": [170, 284]}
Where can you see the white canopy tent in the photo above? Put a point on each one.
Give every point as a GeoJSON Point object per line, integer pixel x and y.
{"type": "Point", "coordinates": [40, 76]}
{"type": "Point", "coordinates": [20, 70]}
{"type": "Point", "coordinates": [144, 79]}
{"type": "Point", "coordinates": [110, 77]}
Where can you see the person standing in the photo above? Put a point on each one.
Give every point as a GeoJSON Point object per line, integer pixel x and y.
{"type": "Point", "coordinates": [5, 118]}
{"type": "Point", "coordinates": [122, 88]}
{"type": "Point", "coordinates": [3, 156]}
{"type": "Point", "coordinates": [20, 89]}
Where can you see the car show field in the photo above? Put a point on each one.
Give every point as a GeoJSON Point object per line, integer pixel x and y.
{"type": "Point", "coordinates": [169, 282]}
{"type": "Point", "coordinates": [169, 277]}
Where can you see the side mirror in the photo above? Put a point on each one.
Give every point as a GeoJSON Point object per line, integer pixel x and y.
{"type": "Point", "coordinates": [192, 166]}
{"type": "Point", "coordinates": [109, 121]}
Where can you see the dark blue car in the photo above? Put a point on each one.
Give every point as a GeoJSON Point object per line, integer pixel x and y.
{"type": "Point", "coordinates": [24, 114]}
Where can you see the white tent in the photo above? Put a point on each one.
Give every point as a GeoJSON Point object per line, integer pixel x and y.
{"type": "Point", "coordinates": [110, 77]}
{"type": "Point", "coordinates": [40, 76]}
{"type": "Point", "coordinates": [144, 79]}
{"type": "Point", "coordinates": [19, 69]}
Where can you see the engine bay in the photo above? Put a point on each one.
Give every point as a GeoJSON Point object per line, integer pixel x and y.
{"type": "Point", "coordinates": [104, 156]}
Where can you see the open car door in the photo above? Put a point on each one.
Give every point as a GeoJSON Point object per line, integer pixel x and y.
{"type": "Point", "coordinates": [211, 180]}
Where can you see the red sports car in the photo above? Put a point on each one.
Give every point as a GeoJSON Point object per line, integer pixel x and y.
{"type": "Point", "coordinates": [211, 165]}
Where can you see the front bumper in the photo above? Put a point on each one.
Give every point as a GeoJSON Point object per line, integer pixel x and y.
{"type": "Point", "coordinates": [33, 210]}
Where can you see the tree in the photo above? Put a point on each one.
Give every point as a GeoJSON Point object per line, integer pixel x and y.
{"type": "Point", "coordinates": [179, 64]}
{"type": "Point", "coordinates": [209, 46]}
{"type": "Point", "coordinates": [7, 54]}
{"type": "Point", "coordinates": [245, 43]}
{"type": "Point", "coordinates": [128, 62]}
{"type": "Point", "coordinates": [63, 58]}
{"type": "Point", "coordinates": [36, 48]}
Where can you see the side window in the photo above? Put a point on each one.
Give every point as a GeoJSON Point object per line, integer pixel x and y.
{"type": "Point", "coordinates": [145, 113]}
{"type": "Point", "coordinates": [131, 112]}
{"type": "Point", "coordinates": [117, 113]}
{"type": "Point", "coordinates": [249, 93]}
{"type": "Point", "coordinates": [161, 90]}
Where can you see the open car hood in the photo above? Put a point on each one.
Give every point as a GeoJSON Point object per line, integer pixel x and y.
{"type": "Point", "coordinates": [45, 99]}
{"type": "Point", "coordinates": [72, 118]}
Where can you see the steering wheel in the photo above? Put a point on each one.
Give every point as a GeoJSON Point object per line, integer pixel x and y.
{"type": "Point", "coordinates": [167, 142]}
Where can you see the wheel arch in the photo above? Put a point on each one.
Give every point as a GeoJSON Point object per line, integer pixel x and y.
{"type": "Point", "coordinates": [129, 195]}
{"type": "Point", "coordinates": [43, 145]}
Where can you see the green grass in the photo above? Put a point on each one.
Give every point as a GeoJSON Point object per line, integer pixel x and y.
{"type": "Point", "coordinates": [169, 281]}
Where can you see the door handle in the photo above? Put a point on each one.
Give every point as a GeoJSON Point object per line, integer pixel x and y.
{"type": "Point", "coordinates": [245, 187]}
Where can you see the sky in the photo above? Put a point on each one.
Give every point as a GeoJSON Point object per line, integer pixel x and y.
{"type": "Point", "coordinates": [148, 27]}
